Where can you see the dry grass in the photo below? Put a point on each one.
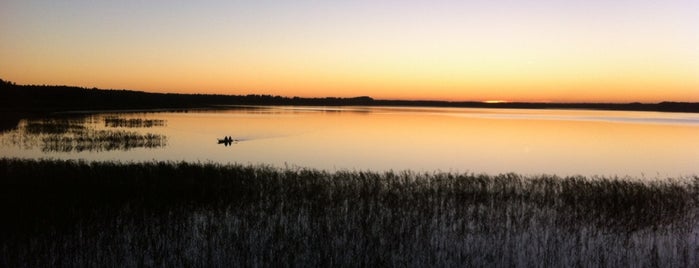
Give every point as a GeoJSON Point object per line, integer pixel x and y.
{"type": "Point", "coordinates": [73, 213]}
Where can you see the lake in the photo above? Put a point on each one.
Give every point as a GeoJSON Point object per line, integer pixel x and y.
{"type": "Point", "coordinates": [561, 142]}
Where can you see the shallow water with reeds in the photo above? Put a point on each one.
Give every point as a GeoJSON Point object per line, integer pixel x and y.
{"type": "Point", "coordinates": [349, 187]}
{"type": "Point", "coordinates": [493, 141]}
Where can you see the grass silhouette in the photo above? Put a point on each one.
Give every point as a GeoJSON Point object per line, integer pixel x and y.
{"type": "Point", "coordinates": [78, 134]}
{"type": "Point", "coordinates": [77, 213]}
{"type": "Point", "coordinates": [114, 121]}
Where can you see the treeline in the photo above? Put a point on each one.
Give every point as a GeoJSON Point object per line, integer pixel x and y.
{"type": "Point", "coordinates": [45, 98]}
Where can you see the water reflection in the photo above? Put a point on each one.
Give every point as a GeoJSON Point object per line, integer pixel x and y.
{"type": "Point", "coordinates": [82, 133]}
{"type": "Point", "coordinates": [289, 110]}
{"type": "Point", "coordinates": [562, 142]}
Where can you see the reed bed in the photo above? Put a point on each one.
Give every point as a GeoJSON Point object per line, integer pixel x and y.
{"type": "Point", "coordinates": [133, 122]}
{"type": "Point", "coordinates": [78, 134]}
{"type": "Point", "coordinates": [54, 126]}
{"type": "Point", "coordinates": [75, 213]}
{"type": "Point", "coordinates": [102, 140]}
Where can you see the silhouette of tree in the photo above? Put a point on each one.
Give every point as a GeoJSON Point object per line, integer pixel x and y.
{"type": "Point", "coordinates": [42, 98]}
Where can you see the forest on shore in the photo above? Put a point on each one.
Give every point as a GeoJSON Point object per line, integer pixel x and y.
{"type": "Point", "coordinates": [55, 98]}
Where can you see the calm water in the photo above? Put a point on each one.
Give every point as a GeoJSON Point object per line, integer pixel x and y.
{"type": "Point", "coordinates": [563, 142]}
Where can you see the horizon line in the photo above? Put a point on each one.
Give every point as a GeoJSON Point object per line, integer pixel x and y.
{"type": "Point", "coordinates": [494, 101]}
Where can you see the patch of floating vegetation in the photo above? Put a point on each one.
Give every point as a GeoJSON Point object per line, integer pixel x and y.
{"type": "Point", "coordinates": [133, 122]}
{"type": "Point", "coordinates": [206, 214]}
{"type": "Point", "coordinates": [54, 126]}
{"type": "Point", "coordinates": [101, 140]}
{"type": "Point", "coordinates": [78, 134]}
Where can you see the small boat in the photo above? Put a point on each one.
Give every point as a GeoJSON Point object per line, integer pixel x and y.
{"type": "Point", "coordinates": [227, 140]}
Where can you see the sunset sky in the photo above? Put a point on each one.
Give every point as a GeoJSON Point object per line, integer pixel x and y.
{"type": "Point", "coordinates": [548, 50]}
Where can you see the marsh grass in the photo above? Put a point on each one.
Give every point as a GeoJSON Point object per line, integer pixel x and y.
{"type": "Point", "coordinates": [55, 126]}
{"type": "Point", "coordinates": [73, 213]}
{"type": "Point", "coordinates": [78, 134]}
{"type": "Point", "coordinates": [114, 121]}
{"type": "Point", "coordinates": [101, 140]}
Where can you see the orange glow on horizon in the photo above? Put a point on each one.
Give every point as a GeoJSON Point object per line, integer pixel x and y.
{"type": "Point", "coordinates": [455, 51]}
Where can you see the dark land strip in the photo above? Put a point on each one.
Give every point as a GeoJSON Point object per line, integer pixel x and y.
{"type": "Point", "coordinates": [33, 99]}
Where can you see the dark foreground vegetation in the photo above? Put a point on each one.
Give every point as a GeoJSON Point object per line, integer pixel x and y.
{"type": "Point", "coordinates": [72, 213]}
{"type": "Point", "coordinates": [28, 99]}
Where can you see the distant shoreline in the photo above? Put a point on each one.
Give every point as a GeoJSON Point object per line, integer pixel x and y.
{"type": "Point", "coordinates": [40, 99]}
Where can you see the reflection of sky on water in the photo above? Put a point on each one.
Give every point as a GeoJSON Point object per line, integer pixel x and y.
{"type": "Point", "coordinates": [564, 142]}
{"type": "Point", "coordinates": [560, 115]}
{"type": "Point", "coordinates": [647, 119]}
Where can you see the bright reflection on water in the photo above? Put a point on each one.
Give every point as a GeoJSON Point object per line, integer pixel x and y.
{"type": "Point", "coordinates": [563, 142]}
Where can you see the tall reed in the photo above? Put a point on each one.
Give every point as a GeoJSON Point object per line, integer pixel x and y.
{"type": "Point", "coordinates": [77, 213]}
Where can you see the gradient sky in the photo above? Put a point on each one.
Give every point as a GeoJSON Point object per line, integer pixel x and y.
{"type": "Point", "coordinates": [565, 50]}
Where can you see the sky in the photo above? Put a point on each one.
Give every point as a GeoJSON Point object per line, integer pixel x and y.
{"type": "Point", "coordinates": [541, 51]}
